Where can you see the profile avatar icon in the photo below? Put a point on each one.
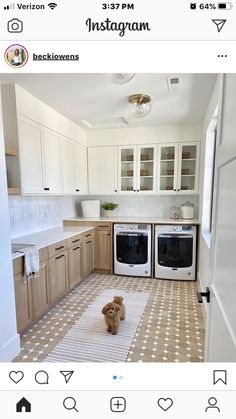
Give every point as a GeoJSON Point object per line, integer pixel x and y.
{"type": "Point", "coordinates": [212, 404]}
{"type": "Point", "coordinates": [16, 56]}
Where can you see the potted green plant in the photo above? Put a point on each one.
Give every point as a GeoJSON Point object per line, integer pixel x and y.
{"type": "Point", "coordinates": [109, 208]}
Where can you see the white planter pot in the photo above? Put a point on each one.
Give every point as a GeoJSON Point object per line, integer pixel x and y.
{"type": "Point", "coordinates": [109, 213]}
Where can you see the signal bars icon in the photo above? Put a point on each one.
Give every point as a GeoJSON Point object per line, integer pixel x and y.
{"type": "Point", "coordinates": [52, 5]}
{"type": "Point", "coordinates": [9, 7]}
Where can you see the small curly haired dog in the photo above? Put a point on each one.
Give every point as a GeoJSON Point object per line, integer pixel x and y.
{"type": "Point", "coordinates": [114, 312]}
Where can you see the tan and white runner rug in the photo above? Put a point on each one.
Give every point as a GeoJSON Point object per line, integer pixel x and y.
{"type": "Point", "coordinates": [89, 341]}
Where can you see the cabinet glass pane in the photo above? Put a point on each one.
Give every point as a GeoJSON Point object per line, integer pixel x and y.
{"type": "Point", "coordinates": [167, 165]}
{"type": "Point", "coordinates": [127, 169]}
{"type": "Point", "coordinates": [146, 158]}
{"type": "Point", "coordinates": [188, 167]}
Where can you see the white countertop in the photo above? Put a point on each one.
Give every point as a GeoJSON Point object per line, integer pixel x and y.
{"type": "Point", "coordinates": [47, 237]}
{"type": "Point", "coordinates": [134, 220]}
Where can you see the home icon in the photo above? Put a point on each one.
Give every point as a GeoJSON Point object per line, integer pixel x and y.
{"type": "Point", "coordinates": [23, 406]}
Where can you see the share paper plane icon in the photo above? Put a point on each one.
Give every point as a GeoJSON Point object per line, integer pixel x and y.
{"type": "Point", "coordinates": [219, 23]}
{"type": "Point", "coordinates": [67, 375]}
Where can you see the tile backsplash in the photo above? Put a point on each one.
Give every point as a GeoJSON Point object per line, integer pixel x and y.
{"type": "Point", "coordinates": [29, 214]}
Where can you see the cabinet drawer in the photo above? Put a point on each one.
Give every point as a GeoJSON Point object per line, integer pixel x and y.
{"type": "Point", "coordinates": [57, 248]}
{"type": "Point", "coordinates": [18, 264]}
{"type": "Point", "coordinates": [73, 241]}
{"type": "Point", "coordinates": [104, 226]}
{"type": "Point", "coordinates": [88, 235]}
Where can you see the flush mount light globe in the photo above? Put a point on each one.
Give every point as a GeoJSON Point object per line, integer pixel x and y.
{"type": "Point", "coordinates": [121, 78]}
{"type": "Point", "coordinates": [140, 105]}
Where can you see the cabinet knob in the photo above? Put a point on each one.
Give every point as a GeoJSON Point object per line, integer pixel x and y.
{"type": "Point", "coordinates": [137, 190]}
{"type": "Point", "coordinates": [134, 190]}
{"type": "Point", "coordinates": [115, 190]}
{"type": "Point", "coordinates": [46, 189]}
{"type": "Point", "coordinates": [77, 190]}
{"type": "Point", "coordinates": [174, 190]}
{"type": "Point", "coordinates": [178, 189]}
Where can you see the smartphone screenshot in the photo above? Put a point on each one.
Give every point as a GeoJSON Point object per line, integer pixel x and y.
{"type": "Point", "coordinates": [117, 214]}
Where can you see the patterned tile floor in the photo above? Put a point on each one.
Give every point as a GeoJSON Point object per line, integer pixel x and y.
{"type": "Point", "coordinates": [171, 328]}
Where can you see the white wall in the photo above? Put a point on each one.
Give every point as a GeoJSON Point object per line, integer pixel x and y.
{"type": "Point", "coordinates": [9, 339]}
{"type": "Point", "coordinates": [29, 214]}
{"type": "Point", "coordinates": [204, 251]}
{"type": "Point", "coordinates": [145, 135]}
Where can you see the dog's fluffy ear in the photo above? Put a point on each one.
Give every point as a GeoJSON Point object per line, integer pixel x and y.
{"type": "Point", "coordinates": [117, 307]}
{"type": "Point", "coordinates": [105, 308]}
{"type": "Point", "coordinates": [118, 299]}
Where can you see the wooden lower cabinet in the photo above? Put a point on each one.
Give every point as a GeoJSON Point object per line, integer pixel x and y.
{"type": "Point", "coordinates": [40, 291]}
{"type": "Point", "coordinates": [23, 297]}
{"type": "Point", "coordinates": [103, 250]}
{"type": "Point", "coordinates": [75, 266]}
{"type": "Point", "coordinates": [58, 286]}
{"type": "Point", "coordinates": [88, 256]}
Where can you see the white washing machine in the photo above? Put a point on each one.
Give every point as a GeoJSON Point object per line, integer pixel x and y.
{"type": "Point", "coordinates": [175, 252]}
{"type": "Point", "coordinates": [132, 249]}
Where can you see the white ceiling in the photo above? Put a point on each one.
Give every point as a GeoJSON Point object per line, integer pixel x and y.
{"type": "Point", "coordinates": [96, 99]}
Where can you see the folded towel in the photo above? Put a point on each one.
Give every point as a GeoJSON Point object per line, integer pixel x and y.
{"type": "Point", "coordinates": [31, 262]}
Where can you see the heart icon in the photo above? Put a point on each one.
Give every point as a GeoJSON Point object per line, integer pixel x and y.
{"type": "Point", "coordinates": [16, 376]}
{"type": "Point", "coordinates": [165, 404]}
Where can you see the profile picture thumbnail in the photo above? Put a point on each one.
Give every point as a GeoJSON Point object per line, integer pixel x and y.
{"type": "Point", "coordinates": [16, 56]}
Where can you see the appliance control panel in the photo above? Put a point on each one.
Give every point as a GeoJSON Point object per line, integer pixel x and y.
{"type": "Point", "coordinates": [130, 227]}
{"type": "Point", "coordinates": [174, 228]}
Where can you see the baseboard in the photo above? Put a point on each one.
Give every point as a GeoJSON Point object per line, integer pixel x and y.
{"type": "Point", "coordinates": [204, 304]}
{"type": "Point", "coordinates": [10, 349]}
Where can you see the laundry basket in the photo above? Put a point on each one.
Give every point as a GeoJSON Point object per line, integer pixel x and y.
{"type": "Point", "coordinates": [91, 208]}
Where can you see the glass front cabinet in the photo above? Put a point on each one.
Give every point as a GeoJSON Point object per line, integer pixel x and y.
{"type": "Point", "coordinates": [137, 169]}
{"type": "Point", "coordinates": [178, 168]}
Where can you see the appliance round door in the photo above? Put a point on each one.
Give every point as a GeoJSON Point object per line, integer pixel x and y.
{"type": "Point", "coordinates": [175, 250]}
{"type": "Point", "coordinates": [132, 248]}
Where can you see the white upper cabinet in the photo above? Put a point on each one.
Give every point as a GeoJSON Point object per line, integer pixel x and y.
{"type": "Point", "coordinates": [51, 161]}
{"type": "Point", "coordinates": [178, 168]}
{"type": "Point", "coordinates": [68, 166]}
{"type": "Point", "coordinates": [137, 169]}
{"type": "Point", "coordinates": [30, 146]}
{"type": "Point", "coordinates": [102, 170]}
{"type": "Point", "coordinates": [81, 175]}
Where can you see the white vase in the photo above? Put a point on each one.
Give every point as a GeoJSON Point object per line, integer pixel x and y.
{"type": "Point", "coordinates": [109, 213]}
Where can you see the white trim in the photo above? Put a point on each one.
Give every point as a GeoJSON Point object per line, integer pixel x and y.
{"type": "Point", "coordinates": [10, 349]}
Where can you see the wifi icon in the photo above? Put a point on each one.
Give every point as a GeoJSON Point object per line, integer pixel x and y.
{"type": "Point", "coordinates": [52, 5]}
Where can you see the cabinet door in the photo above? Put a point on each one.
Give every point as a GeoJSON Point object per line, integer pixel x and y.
{"type": "Point", "coordinates": [81, 176]}
{"type": "Point", "coordinates": [188, 168]}
{"type": "Point", "coordinates": [88, 257]}
{"type": "Point", "coordinates": [74, 266]}
{"type": "Point", "coordinates": [30, 143]}
{"type": "Point", "coordinates": [51, 161]}
{"type": "Point", "coordinates": [146, 169]}
{"type": "Point", "coordinates": [103, 249]}
{"type": "Point", "coordinates": [23, 297]}
{"type": "Point", "coordinates": [68, 166]}
{"type": "Point", "coordinates": [57, 277]}
{"type": "Point", "coordinates": [127, 169]}
{"type": "Point", "coordinates": [102, 169]}
{"type": "Point", "coordinates": [40, 291]}
{"type": "Point", "coordinates": [167, 168]}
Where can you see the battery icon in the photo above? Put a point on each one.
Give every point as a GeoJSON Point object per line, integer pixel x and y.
{"type": "Point", "coordinates": [225, 6]}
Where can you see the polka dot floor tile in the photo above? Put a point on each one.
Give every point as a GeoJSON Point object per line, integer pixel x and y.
{"type": "Point", "coordinates": [170, 330]}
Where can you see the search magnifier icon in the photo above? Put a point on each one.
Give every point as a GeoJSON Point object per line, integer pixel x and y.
{"type": "Point", "coordinates": [69, 403]}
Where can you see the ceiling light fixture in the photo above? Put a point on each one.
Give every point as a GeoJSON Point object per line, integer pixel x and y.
{"type": "Point", "coordinates": [140, 105]}
{"type": "Point", "coordinates": [122, 78]}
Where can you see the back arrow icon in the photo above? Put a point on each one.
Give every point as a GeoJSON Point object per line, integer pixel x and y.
{"type": "Point", "coordinates": [219, 23]}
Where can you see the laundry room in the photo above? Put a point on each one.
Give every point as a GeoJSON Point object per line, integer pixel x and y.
{"type": "Point", "coordinates": [110, 216]}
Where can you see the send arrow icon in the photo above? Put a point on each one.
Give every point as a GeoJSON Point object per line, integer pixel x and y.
{"type": "Point", "coordinates": [219, 23]}
{"type": "Point", "coordinates": [67, 375]}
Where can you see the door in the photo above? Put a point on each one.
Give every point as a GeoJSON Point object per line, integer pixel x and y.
{"type": "Point", "coordinates": [127, 170]}
{"type": "Point", "coordinates": [23, 297]}
{"type": "Point", "coordinates": [68, 166]}
{"type": "Point", "coordinates": [30, 142]}
{"type": "Point", "coordinates": [81, 176]}
{"type": "Point", "coordinates": [51, 161]}
{"type": "Point", "coordinates": [132, 248]}
{"type": "Point", "coordinates": [102, 169]}
{"type": "Point", "coordinates": [103, 245]}
{"type": "Point", "coordinates": [175, 250]}
{"type": "Point", "coordinates": [88, 257]}
{"type": "Point", "coordinates": [40, 291]}
{"type": "Point", "coordinates": [57, 277]}
{"type": "Point", "coordinates": [167, 168]}
{"type": "Point", "coordinates": [188, 168]}
{"type": "Point", "coordinates": [221, 330]}
{"type": "Point", "coordinates": [146, 169]}
{"type": "Point", "coordinates": [74, 266]}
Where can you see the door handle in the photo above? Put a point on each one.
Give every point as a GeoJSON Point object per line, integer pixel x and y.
{"type": "Point", "coordinates": [204, 294]}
